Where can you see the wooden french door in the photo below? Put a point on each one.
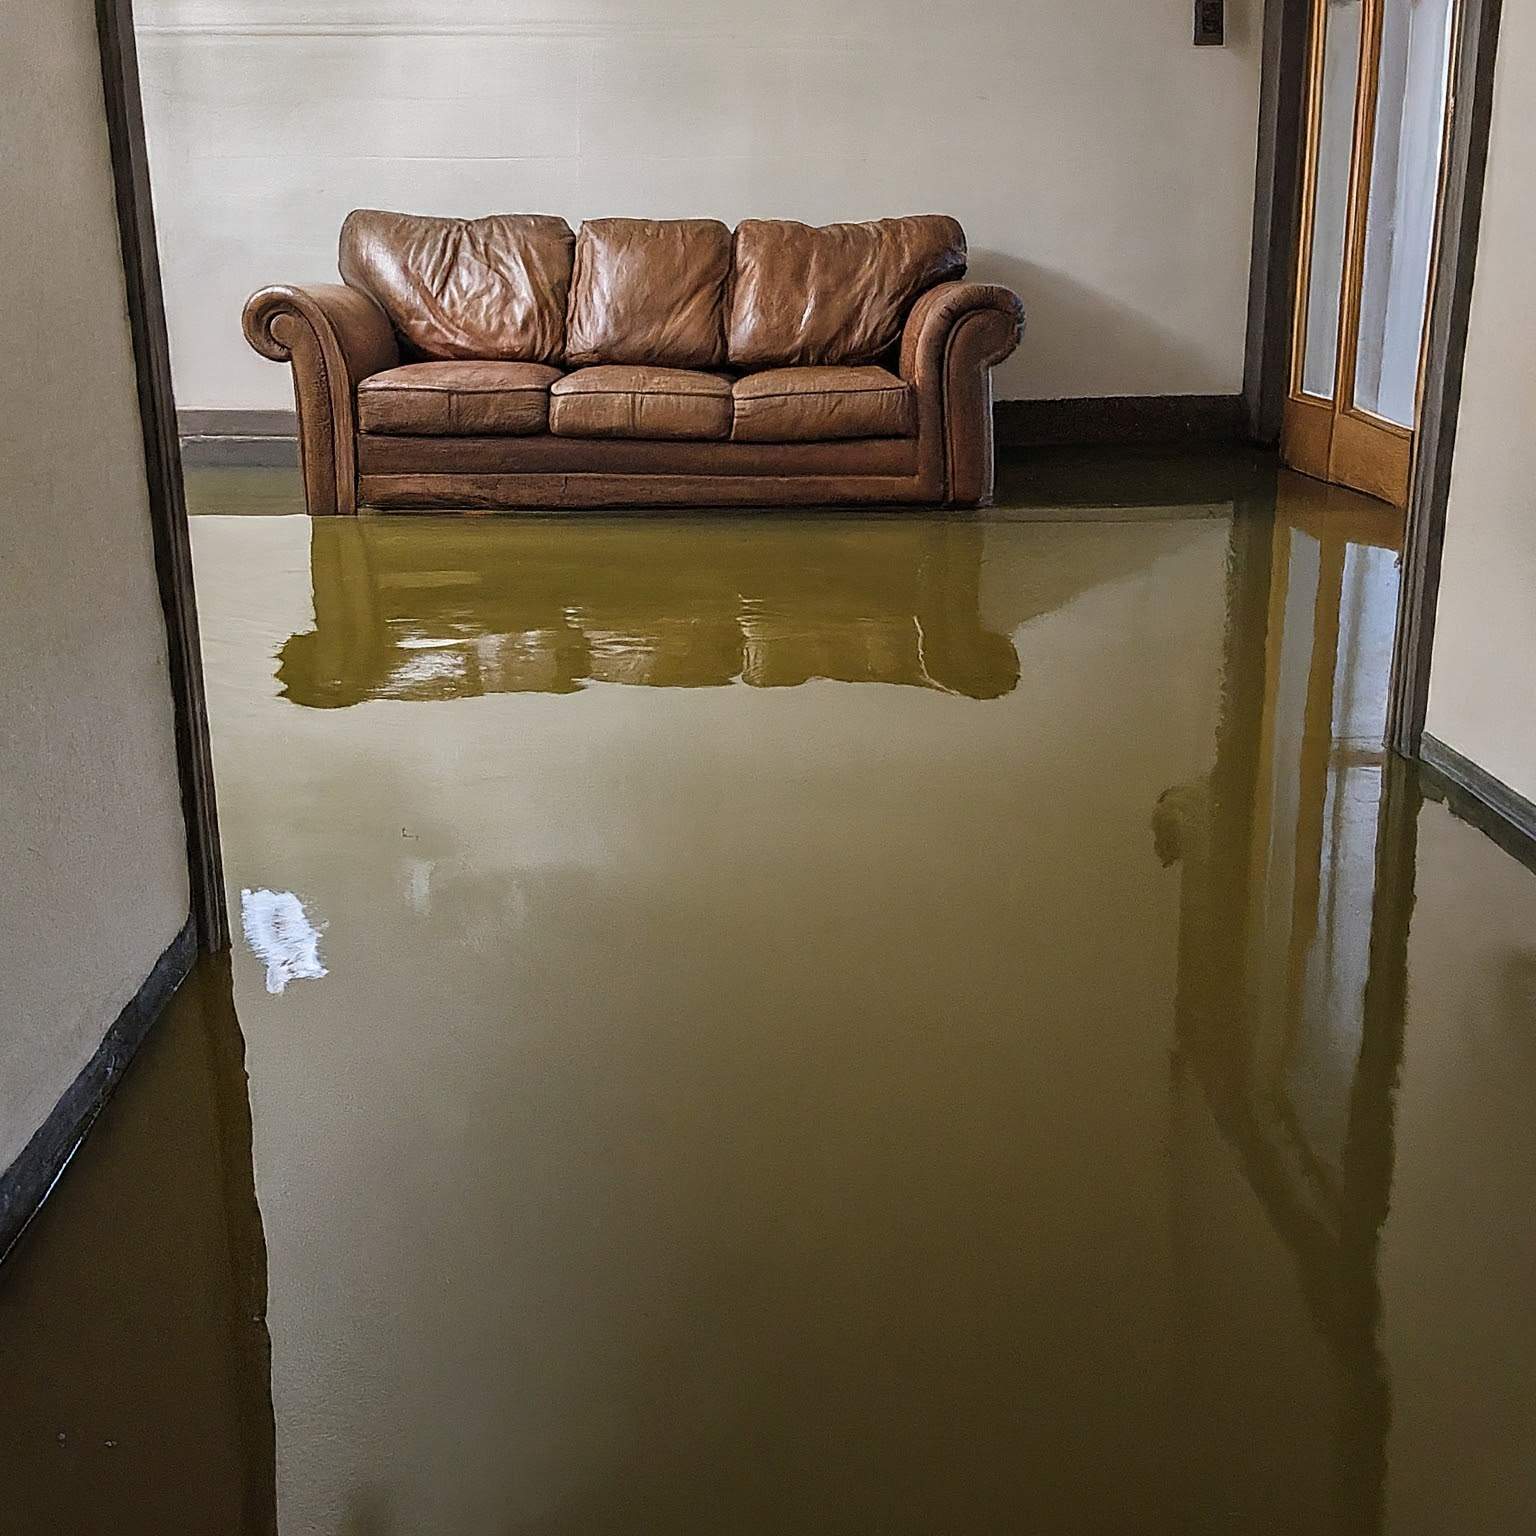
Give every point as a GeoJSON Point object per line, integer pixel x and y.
{"type": "Point", "coordinates": [1377, 109]}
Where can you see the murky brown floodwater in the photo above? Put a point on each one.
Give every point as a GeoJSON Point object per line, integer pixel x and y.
{"type": "Point", "coordinates": [828, 1026]}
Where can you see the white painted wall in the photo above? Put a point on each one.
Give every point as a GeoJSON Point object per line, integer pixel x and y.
{"type": "Point", "coordinates": [1100, 163]}
{"type": "Point", "coordinates": [93, 878]}
{"type": "Point", "coordinates": [1482, 696]}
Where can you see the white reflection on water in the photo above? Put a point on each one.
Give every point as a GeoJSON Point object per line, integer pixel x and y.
{"type": "Point", "coordinates": [281, 935]}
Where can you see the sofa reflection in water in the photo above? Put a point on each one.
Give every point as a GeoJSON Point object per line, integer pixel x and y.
{"type": "Point", "coordinates": [453, 610]}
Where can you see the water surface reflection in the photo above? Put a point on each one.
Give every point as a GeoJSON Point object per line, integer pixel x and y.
{"type": "Point", "coordinates": [133, 1342]}
{"type": "Point", "coordinates": [1296, 856]}
{"type": "Point", "coordinates": [830, 1108]}
{"type": "Point", "coordinates": [440, 609]}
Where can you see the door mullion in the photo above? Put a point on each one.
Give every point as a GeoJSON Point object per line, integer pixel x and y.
{"type": "Point", "coordinates": [1311, 154]}
{"type": "Point", "coordinates": [1362, 164]}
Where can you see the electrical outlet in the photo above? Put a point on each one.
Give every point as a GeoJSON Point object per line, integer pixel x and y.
{"type": "Point", "coordinates": [1210, 23]}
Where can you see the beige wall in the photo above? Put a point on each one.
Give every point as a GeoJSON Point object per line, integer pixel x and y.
{"type": "Point", "coordinates": [1482, 697]}
{"type": "Point", "coordinates": [1100, 163]}
{"type": "Point", "coordinates": [92, 843]}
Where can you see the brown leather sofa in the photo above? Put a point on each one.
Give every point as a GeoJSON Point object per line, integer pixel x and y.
{"type": "Point", "coordinates": [506, 363]}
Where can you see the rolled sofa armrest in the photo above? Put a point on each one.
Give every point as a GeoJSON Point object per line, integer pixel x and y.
{"type": "Point", "coordinates": [955, 335]}
{"type": "Point", "coordinates": [333, 336]}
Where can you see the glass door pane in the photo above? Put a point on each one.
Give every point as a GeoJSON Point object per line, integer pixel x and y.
{"type": "Point", "coordinates": [1400, 216]}
{"type": "Point", "coordinates": [1330, 197]}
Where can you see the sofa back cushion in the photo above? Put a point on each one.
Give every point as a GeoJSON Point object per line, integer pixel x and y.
{"type": "Point", "coordinates": [649, 291]}
{"type": "Point", "coordinates": [835, 295]}
{"type": "Point", "coordinates": [492, 288]}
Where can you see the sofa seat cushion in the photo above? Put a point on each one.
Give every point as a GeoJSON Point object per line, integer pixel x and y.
{"type": "Point", "coordinates": [641, 402]}
{"type": "Point", "coordinates": [457, 400]}
{"type": "Point", "coordinates": [649, 291]}
{"type": "Point", "coordinates": [818, 405]}
{"type": "Point", "coordinates": [838, 294]}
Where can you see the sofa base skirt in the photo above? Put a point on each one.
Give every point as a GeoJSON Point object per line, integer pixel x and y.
{"type": "Point", "coordinates": [545, 454]}
{"type": "Point", "coordinates": [569, 492]}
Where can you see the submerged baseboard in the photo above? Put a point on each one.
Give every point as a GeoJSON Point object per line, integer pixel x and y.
{"type": "Point", "coordinates": [238, 439]}
{"type": "Point", "coordinates": [270, 438]}
{"type": "Point", "coordinates": [26, 1183]}
{"type": "Point", "coordinates": [1121, 421]}
{"type": "Point", "coordinates": [1487, 803]}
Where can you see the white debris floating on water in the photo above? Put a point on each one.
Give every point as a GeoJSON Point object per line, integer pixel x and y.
{"type": "Point", "coordinates": [281, 935]}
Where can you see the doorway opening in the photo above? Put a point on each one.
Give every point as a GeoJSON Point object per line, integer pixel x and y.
{"type": "Point", "coordinates": [1378, 104]}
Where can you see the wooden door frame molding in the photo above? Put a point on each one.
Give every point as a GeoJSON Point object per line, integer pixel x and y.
{"type": "Point", "coordinates": [1450, 307]}
{"type": "Point", "coordinates": [1334, 437]}
{"type": "Point", "coordinates": [1276, 216]}
{"type": "Point", "coordinates": [162, 463]}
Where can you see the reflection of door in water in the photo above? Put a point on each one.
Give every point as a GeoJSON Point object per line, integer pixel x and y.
{"type": "Point", "coordinates": [1296, 886]}
{"type": "Point", "coordinates": [1378, 75]}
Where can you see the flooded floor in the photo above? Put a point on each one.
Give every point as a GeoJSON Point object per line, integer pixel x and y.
{"type": "Point", "coordinates": [810, 1025]}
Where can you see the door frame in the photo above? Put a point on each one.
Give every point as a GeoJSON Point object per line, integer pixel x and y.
{"type": "Point", "coordinates": [1336, 438]}
{"type": "Point", "coordinates": [1272, 306]}
{"type": "Point", "coordinates": [162, 464]}
{"type": "Point", "coordinates": [1450, 307]}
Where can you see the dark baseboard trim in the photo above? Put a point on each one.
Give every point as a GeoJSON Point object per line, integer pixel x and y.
{"type": "Point", "coordinates": [237, 423]}
{"type": "Point", "coordinates": [239, 439]}
{"type": "Point", "coordinates": [1473, 794]}
{"type": "Point", "coordinates": [270, 438]}
{"type": "Point", "coordinates": [240, 452]}
{"type": "Point", "coordinates": [1121, 421]}
{"type": "Point", "coordinates": [27, 1182]}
